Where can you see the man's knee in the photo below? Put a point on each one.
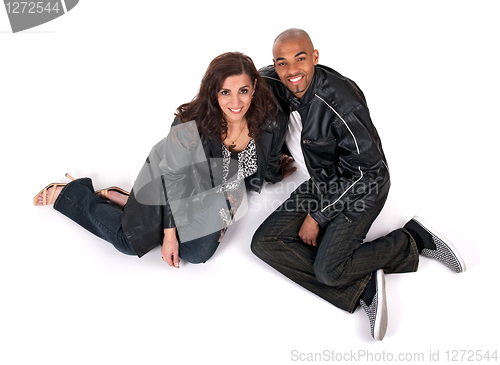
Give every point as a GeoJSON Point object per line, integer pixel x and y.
{"type": "Point", "coordinates": [257, 246]}
{"type": "Point", "coordinates": [261, 244]}
{"type": "Point", "coordinates": [327, 276]}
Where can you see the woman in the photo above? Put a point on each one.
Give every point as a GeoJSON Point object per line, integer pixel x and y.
{"type": "Point", "coordinates": [187, 192]}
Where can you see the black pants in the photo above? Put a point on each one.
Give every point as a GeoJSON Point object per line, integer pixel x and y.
{"type": "Point", "coordinates": [339, 268]}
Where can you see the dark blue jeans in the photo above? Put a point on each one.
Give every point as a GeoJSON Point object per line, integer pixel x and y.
{"type": "Point", "coordinates": [339, 268]}
{"type": "Point", "coordinates": [78, 202]}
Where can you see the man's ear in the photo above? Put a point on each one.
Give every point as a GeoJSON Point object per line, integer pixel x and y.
{"type": "Point", "coordinates": [274, 63]}
{"type": "Point", "coordinates": [315, 57]}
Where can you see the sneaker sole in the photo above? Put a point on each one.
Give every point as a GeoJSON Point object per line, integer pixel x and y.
{"type": "Point", "coordinates": [380, 326]}
{"type": "Point", "coordinates": [448, 243]}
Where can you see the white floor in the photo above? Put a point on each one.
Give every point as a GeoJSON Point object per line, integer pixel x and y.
{"type": "Point", "coordinates": [91, 92]}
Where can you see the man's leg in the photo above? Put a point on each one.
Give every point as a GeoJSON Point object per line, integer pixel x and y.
{"type": "Point", "coordinates": [278, 244]}
{"type": "Point", "coordinates": [320, 270]}
{"type": "Point", "coordinates": [343, 257]}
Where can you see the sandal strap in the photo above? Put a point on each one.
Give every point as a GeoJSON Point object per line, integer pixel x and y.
{"type": "Point", "coordinates": [53, 192]}
{"type": "Point", "coordinates": [104, 194]}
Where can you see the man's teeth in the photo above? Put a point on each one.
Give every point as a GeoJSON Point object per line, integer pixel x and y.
{"type": "Point", "coordinates": [296, 79]}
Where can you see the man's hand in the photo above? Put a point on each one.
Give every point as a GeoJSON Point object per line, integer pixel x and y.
{"type": "Point", "coordinates": [170, 248]}
{"type": "Point", "coordinates": [286, 161]}
{"type": "Point", "coordinates": [309, 231]}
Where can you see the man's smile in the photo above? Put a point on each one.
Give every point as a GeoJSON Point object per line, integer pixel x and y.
{"type": "Point", "coordinates": [295, 80]}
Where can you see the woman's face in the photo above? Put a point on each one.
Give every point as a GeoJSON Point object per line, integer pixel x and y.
{"type": "Point", "coordinates": [235, 97]}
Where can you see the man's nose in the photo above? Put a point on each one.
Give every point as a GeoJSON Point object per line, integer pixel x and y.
{"type": "Point", "coordinates": [292, 68]}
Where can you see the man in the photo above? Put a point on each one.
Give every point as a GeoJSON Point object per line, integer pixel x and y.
{"type": "Point", "coordinates": [316, 237]}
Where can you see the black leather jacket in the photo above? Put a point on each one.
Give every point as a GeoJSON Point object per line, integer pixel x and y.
{"type": "Point", "coordinates": [341, 147]}
{"type": "Point", "coordinates": [185, 172]}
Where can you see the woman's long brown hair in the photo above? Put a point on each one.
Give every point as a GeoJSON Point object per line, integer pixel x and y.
{"type": "Point", "coordinates": [205, 109]}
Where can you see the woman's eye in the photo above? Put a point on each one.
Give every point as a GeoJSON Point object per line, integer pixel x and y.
{"type": "Point", "coordinates": [224, 92]}
{"type": "Point", "coordinates": [244, 91]}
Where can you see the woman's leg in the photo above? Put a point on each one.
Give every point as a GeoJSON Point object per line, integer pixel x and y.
{"type": "Point", "coordinates": [201, 249]}
{"type": "Point", "coordinates": [78, 202]}
{"type": "Point", "coordinates": [199, 239]}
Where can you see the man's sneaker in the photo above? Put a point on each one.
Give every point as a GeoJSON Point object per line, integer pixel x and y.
{"type": "Point", "coordinates": [374, 303]}
{"type": "Point", "coordinates": [434, 245]}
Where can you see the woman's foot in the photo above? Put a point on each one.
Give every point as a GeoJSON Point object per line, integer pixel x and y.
{"type": "Point", "coordinates": [49, 194]}
{"type": "Point", "coordinates": [55, 190]}
{"type": "Point", "coordinates": [115, 197]}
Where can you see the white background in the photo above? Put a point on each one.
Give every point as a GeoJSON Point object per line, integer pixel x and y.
{"type": "Point", "coordinates": [91, 92]}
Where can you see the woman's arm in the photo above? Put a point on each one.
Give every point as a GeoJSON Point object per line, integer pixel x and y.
{"type": "Point", "coordinates": [170, 247]}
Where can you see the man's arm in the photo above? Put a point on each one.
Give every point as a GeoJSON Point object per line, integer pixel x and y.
{"type": "Point", "coordinates": [360, 161]}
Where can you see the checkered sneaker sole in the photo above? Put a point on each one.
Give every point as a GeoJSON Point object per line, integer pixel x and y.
{"type": "Point", "coordinates": [377, 311]}
{"type": "Point", "coordinates": [445, 252]}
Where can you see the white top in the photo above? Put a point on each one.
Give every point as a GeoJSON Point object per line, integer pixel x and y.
{"type": "Point", "coordinates": [293, 138]}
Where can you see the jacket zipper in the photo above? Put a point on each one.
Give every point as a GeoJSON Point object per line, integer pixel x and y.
{"type": "Point", "coordinates": [306, 141]}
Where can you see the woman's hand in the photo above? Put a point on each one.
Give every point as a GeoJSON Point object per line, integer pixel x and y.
{"type": "Point", "coordinates": [286, 161]}
{"type": "Point", "coordinates": [170, 248]}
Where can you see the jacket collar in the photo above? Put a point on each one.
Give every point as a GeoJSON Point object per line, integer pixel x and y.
{"type": "Point", "coordinates": [213, 150]}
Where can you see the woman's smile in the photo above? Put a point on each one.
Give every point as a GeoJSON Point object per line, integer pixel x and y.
{"type": "Point", "coordinates": [235, 97]}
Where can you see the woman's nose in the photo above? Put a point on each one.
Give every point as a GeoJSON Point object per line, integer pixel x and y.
{"type": "Point", "coordinates": [235, 100]}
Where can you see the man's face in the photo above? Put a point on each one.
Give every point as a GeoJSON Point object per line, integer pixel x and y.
{"type": "Point", "coordinates": [294, 61]}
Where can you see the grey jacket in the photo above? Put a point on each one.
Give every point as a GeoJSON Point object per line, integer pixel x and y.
{"type": "Point", "coordinates": [180, 171]}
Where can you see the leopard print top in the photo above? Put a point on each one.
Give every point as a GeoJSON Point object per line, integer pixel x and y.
{"type": "Point", "coordinates": [247, 166]}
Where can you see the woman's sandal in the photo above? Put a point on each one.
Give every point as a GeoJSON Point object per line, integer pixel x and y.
{"type": "Point", "coordinates": [44, 191]}
{"type": "Point", "coordinates": [103, 193]}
